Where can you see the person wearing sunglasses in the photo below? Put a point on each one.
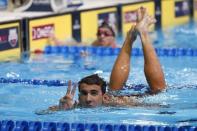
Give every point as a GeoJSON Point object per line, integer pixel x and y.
{"type": "Point", "coordinates": [105, 36]}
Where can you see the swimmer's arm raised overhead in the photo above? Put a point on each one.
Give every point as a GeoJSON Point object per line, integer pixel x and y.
{"type": "Point", "coordinates": [152, 68]}
{"type": "Point", "coordinates": [121, 68]}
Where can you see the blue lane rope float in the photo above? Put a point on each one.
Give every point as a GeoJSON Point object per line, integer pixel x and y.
{"type": "Point", "coordinates": [35, 82]}
{"type": "Point", "coordinates": [58, 83]}
{"type": "Point", "coordinates": [8, 125]}
{"type": "Point", "coordinates": [103, 51]}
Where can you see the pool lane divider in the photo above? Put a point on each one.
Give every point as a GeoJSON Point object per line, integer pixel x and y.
{"type": "Point", "coordinates": [64, 83]}
{"type": "Point", "coordinates": [11, 125]}
{"type": "Point", "coordinates": [59, 83]}
{"type": "Point", "coordinates": [107, 51]}
{"type": "Point", "coordinates": [35, 82]}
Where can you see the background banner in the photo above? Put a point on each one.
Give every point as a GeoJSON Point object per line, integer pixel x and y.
{"type": "Point", "coordinates": [182, 8]}
{"type": "Point", "coordinates": [41, 28]}
{"type": "Point", "coordinates": [175, 12]}
{"type": "Point", "coordinates": [10, 40]}
{"type": "Point", "coordinates": [129, 14]}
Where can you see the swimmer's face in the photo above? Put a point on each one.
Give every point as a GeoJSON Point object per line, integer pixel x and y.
{"type": "Point", "coordinates": [105, 36]}
{"type": "Point", "coordinates": [90, 95]}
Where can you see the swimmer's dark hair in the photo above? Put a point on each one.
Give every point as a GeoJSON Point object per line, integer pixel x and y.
{"type": "Point", "coordinates": [105, 24]}
{"type": "Point", "coordinates": [94, 79]}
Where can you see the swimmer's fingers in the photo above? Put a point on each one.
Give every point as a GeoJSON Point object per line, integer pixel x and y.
{"type": "Point", "coordinates": [143, 11]}
{"type": "Point", "coordinates": [73, 90]}
{"type": "Point", "coordinates": [139, 15]}
{"type": "Point", "coordinates": [69, 87]}
{"type": "Point", "coordinates": [152, 20]}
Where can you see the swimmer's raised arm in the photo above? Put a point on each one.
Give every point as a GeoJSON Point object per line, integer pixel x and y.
{"type": "Point", "coordinates": [152, 68]}
{"type": "Point", "coordinates": [121, 68]}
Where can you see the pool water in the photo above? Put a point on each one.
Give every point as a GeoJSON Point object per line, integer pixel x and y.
{"type": "Point", "coordinates": [21, 101]}
{"type": "Point", "coordinates": [175, 106]}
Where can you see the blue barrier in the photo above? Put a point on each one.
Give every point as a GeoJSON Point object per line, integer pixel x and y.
{"type": "Point", "coordinates": [149, 128]}
{"type": "Point", "coordinates": [92, 127]}
{"type": "Point", "coordinates": [49, 126]}
{"type": "Point", "coordinates": [9, 125]}
{"type": "Point", "coordinates": [106, 127]}
{"type": "Point", "coordinates": [192, 129]}
{"type": "Point", "coordinates": [138, 128]}
{"type": "Point", "coordinates": [78, 126]}
{"type": "Point", "coordinates": [164, 128]}
{"type": "Point", "coordinates": [103, 51]}
{"type": "Point", "coordinates": [174, 128]}
{"type": "Point", "coordinates": [21, 126]}
{"type": "Point", "coordinates": [120, 127]}
{"type": "Point", "coordinates": [35, 126]}
{"type": "Point", "coordinates": [63, 127]}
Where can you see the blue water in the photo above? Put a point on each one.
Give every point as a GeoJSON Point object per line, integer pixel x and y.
{"type": "Point", "coordinates": [21, 101]}
{"type": "Point", "coordinates": [182, 36]}
{"type": "Point", "coordinates": [59, 67]}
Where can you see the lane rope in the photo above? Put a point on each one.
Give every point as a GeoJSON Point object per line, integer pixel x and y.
{"type": "Point", "coordinates": [107, 51]}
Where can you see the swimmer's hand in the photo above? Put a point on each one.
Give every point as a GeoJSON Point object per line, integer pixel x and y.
{"type": "Point", "coordinates": [44, 112]}
{"type": "Point", "coordinates": [144, 20]}
{"type": "Point", "coordinates": [67, 102]}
